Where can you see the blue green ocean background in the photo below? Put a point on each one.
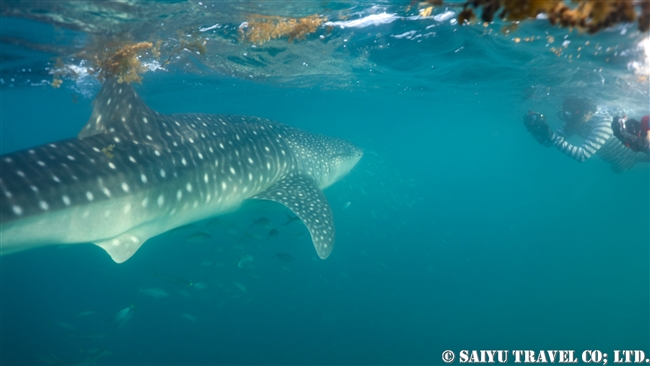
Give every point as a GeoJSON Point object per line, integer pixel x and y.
{"type": "Point", "coordinates": [455, 231]}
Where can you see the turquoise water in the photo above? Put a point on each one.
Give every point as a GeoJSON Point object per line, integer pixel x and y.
{"type": "Point", "coordinates": [462, 232]}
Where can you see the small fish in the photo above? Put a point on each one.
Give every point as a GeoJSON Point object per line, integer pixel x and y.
{"type": "Point", "coordinates": [172, 279]}
{"type": "Point", "coordinates": [184, 293]}
{"type": "Point", "coordinates": [291, 219]}
{"type": "Point", "coordinates": [198, 237]}
{"type": "Point", "coordinates": [199, 285]}
{"type": "Point", "coordinates": [273, 233]}
{"type": "Point", "coordinates": [88, 336]}
{"type": "Point", "coordinates": [154, 292]}
{"type": "Point", "coordinates": [189, 317]}
{"type": "Point", "coordinates": [86, 313]}
{"type": "Point", "coordinates": [206, 264]}
{"type": "Point", "coordinates": [234, 233]}
{"type": "Point", "coordinates": [300, 234]}
{"type": "Point", "coordinates": [181, 228]}
{"type": "Point", "coordinates": [52, 359]}
{"type": "Point", "coordinates": [261, 221]}
{"type": "Point", "coordinates": [213, 222]}
{"type": "Point", "coordinates": [251, 237]}
{"type": "Point", "coordinates": [346, 205]}
{"type": "Point", "coordinates": [244, 260]}
{"type": "Point", "coordinates": [93, 359]}
{"type": "Point", "coordinates": [122, 316]}
{"type": "Point", "coordinates": [65, 326]}
{"type": "Point", "coordinates": [284, 257]}
{"type": "Point", "coordinates": [239, 286]}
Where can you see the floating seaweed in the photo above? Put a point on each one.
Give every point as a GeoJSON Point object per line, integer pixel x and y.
{"type": "Point", "coordinates": [588, 15]}
{"type": "Point", "coordinates": [123, 63]}
{"type": "Point", "coordinates": [58, 72]}
{"type": "Point", "coordinates": [115, 56]}
{"type": "Point", "coordinates": [56, 82]}
{"type": "Point", "coordinates": [263, 28]}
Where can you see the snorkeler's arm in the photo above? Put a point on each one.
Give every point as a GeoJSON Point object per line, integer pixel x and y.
{"type": "Point", "coordinates": [600, 133]}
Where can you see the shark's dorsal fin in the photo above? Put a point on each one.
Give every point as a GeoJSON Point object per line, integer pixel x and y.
{"type": "Point", "coordinates": [302, 196]}
{"type": "Point", "coordinates": [118, 109]}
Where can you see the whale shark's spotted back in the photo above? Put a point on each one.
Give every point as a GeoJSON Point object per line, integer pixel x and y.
{"type": "Point", "coordinates": [133, 173]}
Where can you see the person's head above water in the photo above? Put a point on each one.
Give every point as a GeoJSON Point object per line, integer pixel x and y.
{"type": "Point", "coordinates": [577, 110]}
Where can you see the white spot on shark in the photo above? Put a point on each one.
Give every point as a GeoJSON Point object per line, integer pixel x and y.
{"type": "Point", "coordinates": [17, 210]}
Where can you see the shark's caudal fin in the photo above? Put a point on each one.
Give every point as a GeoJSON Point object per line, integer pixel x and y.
{"type": "Point", "coordinates": [117, 109]}
{"type": "Point", "coordinates": [301, 195]}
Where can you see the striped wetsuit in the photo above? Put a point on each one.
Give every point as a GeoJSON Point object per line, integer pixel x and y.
{"type": "Point", "coordinates": [599, 139]}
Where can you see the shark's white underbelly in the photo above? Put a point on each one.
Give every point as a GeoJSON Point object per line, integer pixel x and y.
{"type": "Point", "coordinates": [140, 215]}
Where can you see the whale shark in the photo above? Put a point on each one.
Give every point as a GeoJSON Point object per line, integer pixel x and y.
{"type": "Point", "coordinates": [133, 173]}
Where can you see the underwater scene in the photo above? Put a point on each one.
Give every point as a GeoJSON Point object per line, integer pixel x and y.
{"type": "Point", "coordinates": [324, 182]}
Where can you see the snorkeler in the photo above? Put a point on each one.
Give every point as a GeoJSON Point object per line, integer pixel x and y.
{"type": "Point", "coordinates": [632, 133]}
{"type": "Point", "coordinates": [583, 118]}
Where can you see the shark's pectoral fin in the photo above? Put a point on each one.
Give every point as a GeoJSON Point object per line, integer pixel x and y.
{"type": "Point", "coordinates": [123, 246]}
{"type": "Point", "coordinates": [301, 195]}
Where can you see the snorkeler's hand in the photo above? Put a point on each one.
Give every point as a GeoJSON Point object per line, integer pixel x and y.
{"type": "Point", "coordinates": [618, 127]}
